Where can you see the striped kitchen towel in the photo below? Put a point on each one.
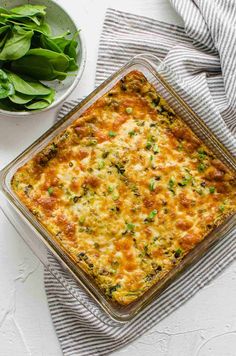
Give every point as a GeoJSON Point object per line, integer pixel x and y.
{"type": "Point", "coordinates": [198, 56]}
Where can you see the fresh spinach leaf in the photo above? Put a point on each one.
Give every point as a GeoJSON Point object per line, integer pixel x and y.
{"type": "Point", "coordinates": [29, 10]}
{"type": "Point", "coordinates": [70, 49]}
{"type": "Point", "coordinates": [29, 25]}
{"type": "Point", "coordinates": [72, 65]}
{"type": "Point", "coordinates": [17, 45]}
{"type": "Point", "coordinates": [39, 67]}
{"type": "Point", "coordinates": [21, 99]}
{"type": "Point", "coordinates": [38, 105]}
{"type": "Point", "coordinates": [62, 43]}
{"type": "Point", "coordinates": [4, 29]}
{"type": "Point", "coordinates": [3, 39]}
{"type": "Point", "coordinates": [6, 87]}
{"type": "Point", "coordinates": [48, 43]}
{"type": "Point", "coordinates": [42, 104]}
{"type": "Point", "coordinates": [62, 35]}
{"type": "Point", "coordinates": [50, 97]}
{"type": "Point", "coordinates": [28, 86]}
{"type": "Point", "coordinates": [19, 18]}
{"type": "Point", "coordinates": [6, 104]}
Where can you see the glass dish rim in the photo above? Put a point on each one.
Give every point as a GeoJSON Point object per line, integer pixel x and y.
{"type": "Point", "coordinates": [142, 59]}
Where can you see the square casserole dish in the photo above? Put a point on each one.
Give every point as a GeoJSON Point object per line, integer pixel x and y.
{"type": "Point", "coordinates": [166, 84]}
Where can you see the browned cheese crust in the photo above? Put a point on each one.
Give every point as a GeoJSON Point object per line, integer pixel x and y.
{"type": "Point", "coordinates": [127, 190]}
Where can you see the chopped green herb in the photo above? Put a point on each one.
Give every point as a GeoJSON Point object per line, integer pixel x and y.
{"type": "Point", "coordinates": [201, 167]}
{"type": "Point", "coordinates": [151, 158]}
{"type": "Point", "coordinates": [149, 277]}
{"type": "Point", "coordinates": [96, 245]}
{"type": "Point", "coordinates": [82, 256]}
{"type": "Point", "coordinates": [152, 185]}
{"type": "Point", "coordinates": [129, 110]}
{"type": "Point", "coordinates": [81, 220]}
{"type": "Point", "coordinates": [156, 101]}
{"type": "Point", "coordinates": [120, 168]}
{"type": "Point", "coordinates": [101, 165]}
{"type": "Point", "coordinates": [75, 199]}
{"type": "Point", "coordinates": [171, 185]}
{"type": "Point", "coordinates": [112, 133]}
{"type": "Point", "coordinates": [115, 264]}
{"type": "Point", "coordinates": [92, 142]}
{"type": "Point", "coordinates": [148, 145]}
{"type": "Point", "coordinates": [130, 226]}
{"type": "Point", "coordinates": [201, 154]}
{"type": "Point", "coordinates": [155, 149]}
{"type": "Point", "coordinates": [50, 190]}
{"type": "Point", "coordinates": [113, 289]}
{"type": "Point", "coordinates": [110, 189]}
{"type": "Point", "coordinates": [222, 208]}
{"type": "Point", "coordinates": [153, 124]}
{"type": "Point", "coordinates": [212, 190]}
{"type": "Point", "coordinates": [178, 252]}
{"type": "Point", "coordinates": [199, 191]}
{"type": "Point", "coordinates": [151, 215]}
{"type": "Point", "coordinates": [140, 123]}
{"type": "Point", "coordinates": [146, 250]}
{"type": "Point", "coordinates": [180, 147]}
{"type": "Point", "coordinates": [159, 108]}
{"type": "Point", "coordinates": [105, 154]}
{"type": "Point", "coordinates": [132, 293]}
{"type": "Point", "coordinates": [185, 181]}
{"type": "Point", "coordinates": [155, 238]}
{"type": "Point", "coordinates": [131, 133]}
{"type": "Point", "coordinates": [115, 197]}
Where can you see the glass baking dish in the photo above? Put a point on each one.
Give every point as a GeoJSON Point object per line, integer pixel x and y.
{"type": "Point", "coordinates": [167, 84]}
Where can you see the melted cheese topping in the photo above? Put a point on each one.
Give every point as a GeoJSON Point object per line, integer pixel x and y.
{"type": "Point", "coordinates": [127, 190]}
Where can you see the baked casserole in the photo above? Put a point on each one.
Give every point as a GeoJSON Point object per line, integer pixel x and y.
{"type": "Point", "coordinates": [127, 190]}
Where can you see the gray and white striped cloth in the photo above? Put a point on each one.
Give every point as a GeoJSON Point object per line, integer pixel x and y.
{"type": "Point", "coordinates": [198, 57]}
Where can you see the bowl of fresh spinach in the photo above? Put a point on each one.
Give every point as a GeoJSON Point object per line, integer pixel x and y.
{"type": "Point", "coordinates": [42, 56]}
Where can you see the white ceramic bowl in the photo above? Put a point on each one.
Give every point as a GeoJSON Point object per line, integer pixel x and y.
{"type": "Point", "coordinates": [60, 21]}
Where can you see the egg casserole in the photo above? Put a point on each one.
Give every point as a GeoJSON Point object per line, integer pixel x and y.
{"type": "Point", "coordinates": [127, 190]}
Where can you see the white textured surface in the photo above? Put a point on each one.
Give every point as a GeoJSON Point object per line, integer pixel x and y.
{"type": "Point", "coordinates": [204, 326]}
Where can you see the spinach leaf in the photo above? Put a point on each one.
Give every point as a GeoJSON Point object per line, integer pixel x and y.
{"type": "Point", "coordinates": [29, 10]}
{"type": "Point", "coordinates": [72, 65]}
{"type": "Point", "coordinates": [6, 87]}
{"type": "Point", "coordinates": [27, 24]}
{"type": "Point", "coordinates": [42, 104]}
{"type": "Point", "coordinates": [4, 29]}
{"type": "Point", "coordinates": [39, 67]}
{"type": "Point", "coordinates": [50, 97]}
{"type": "Point", "coordinates": [6, 105]}
{"type": "Point", "coordinates": [48, 43]}
{"type": "Point", "coordinates": [17, 45]}
{"type": "Point", "coordinates": [21, 99]}
{"type": "Point", "coordinates": [61, 42]}
{"type": "Point", "coordinates": [3, 39]}
{"type": "Point", "coordinates": [3, 10]}
{"type": "Point", "coordinates": [62, 35]}
{"type": "Point", "coordinates": [70, 49]}
{"type": "Point", "coordinates": [28, 86]}
{"type": "Point", "coordinates": [38, 105]}
{"type": "Point", "coordinates": [20, 18]}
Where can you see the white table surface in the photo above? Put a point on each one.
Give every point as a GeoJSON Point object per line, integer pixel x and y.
{"type": "Point", "coordinates": [204, 326]}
